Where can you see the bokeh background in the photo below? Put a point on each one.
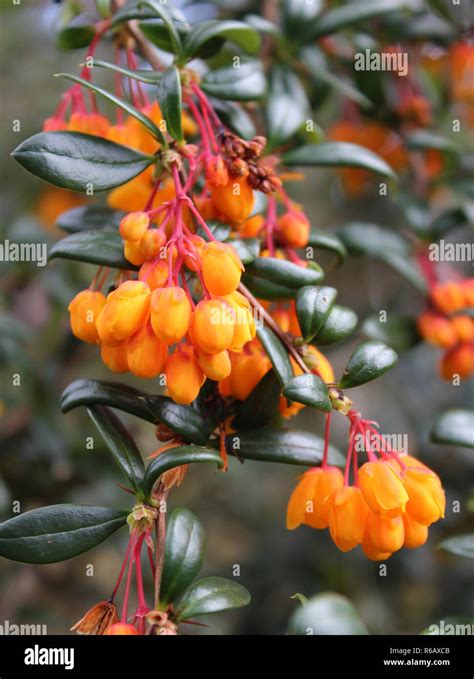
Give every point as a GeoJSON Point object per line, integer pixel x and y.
{"type": "Point", "coordinates": [44, 460]}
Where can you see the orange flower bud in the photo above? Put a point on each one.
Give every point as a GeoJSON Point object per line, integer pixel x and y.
{"type": "Point", "coordinates": [133, 252]}
{"type": "Point", "coordinates": [294, 229]}
{"type": "Point", "coordinates": [309, 501]}
{"type": "Point", "coordinates": [467, 287]}
{"type": "Point", "coordinates": [347, 517]}
{"type": "Point", "coordinates": [437, 329]}
{"type": "Point", "coordinates": [54, 124]}
{"type": "Point", "coordinates": [382, 489]}
{"type": "Point", "coordinates": [152, 243]}
{"type": "Point", "coordinates": [146, 354]}
{"type": "Point", "coordinates": [463, 327]}
{"type": "Point", "coordinates": [427, 501]}
{"type": "Point", "coordinates": [213, 325]}
{"type": "Point", "coordinates": [122, 629]}
{"type": "Point", "coordinates": [416, 534]}
{"type": "Point", "coordinates": [234, 200]}
{"type": "Point", "coordinates": [215, 366]}
{"type": "Point", "coordinates": [244, 326]}
{"type": "Point", "coordinates": [448, 297]}
{"type": "Point", "coordinates": [97, 620]}
{"type": "Point", "coordinates": [371, 551]}
{"type": "Point", "coordinates": [385, 533]}
{"type": "Point", "coordinates": [125, 311]}
{"type": "Point", "coordinates": [170, 313]}
{"type": "Point", "coordinates": [216, 171]}
{"type": "Point", "coordinates": [154, 273]}
{"type": "Point", "coordinates": [282, 319]}
{"type": "Point", "coordinates": [252, 226]}
{"type": "Point", "coordinates": [221, 268]}
{"type": "Point", "coordinates": [84, 310]}
{"type": "Point", "coordinates": [458, 361]}
{"type": "Point", "coordinates": [302, 498]}
{"type": "Point", "coordinates": [194, 263]}
{"type": "Point", "coordinates": [115, 358]}
{"type": "Point", "coordinates": [184, 377]}
{"type": "Point", "coordinates": [134, 226]}
{"type": "Point", "coordinates": [247, 371]}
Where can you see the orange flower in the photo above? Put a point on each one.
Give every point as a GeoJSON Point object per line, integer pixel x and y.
{"type": "Point", "coordinates": [382, 489]}
{"type": "Point", "coordinates": [134, 226]}
{"type": "Point", "coordinates": [125, 311]}
{"type": "Point", "coordinates": [213, 325]}
{"type": "Point", "coordinates": [448, 297]}
{"type": "Point", "coordinates": [458, 361]}
{"type": "Point", "coordinates": [170, 313]}
{"type": "Point", "coordinates": [221, 268]}
{"type": "Point", "coordinates": [416, 534]}
{"type": "Point", "coordinates": [146, 354]}
{"type": "Point", "coordinates": [426, 501]}
{"type": "Point", "coordinates": [152, 242]}
{"type": "Point", "coordinates": [247, 371]}
{"type": "Point", "coordinates": [437, 329]}
{"type": "Point", "coordinates": [294, 229]}
{"type": "Point", "coordinates": [308, 503]}
{"type": "Point", "coordinates": [371, 552]}
{"type": "Point", "coordinates": [467, 287]}
{"type": "Point", "coordinates": [216, 171]}
{"type": "Point", "coordinates": [252, 226]}
{"type": "Point", "coordinates": [84, 310]}
{"type": "Point", "coordinates": [154, 273]}
{"type": "Point", "coordinates": [122, 629]}
{"type": "Point", "coordinates": [234, 200]}
{"type": "Point", "coordinates": [89, 123]}
{"type": "Point", "coordinates": [133, 252]}
{"type": "Point", "coordinates": [385, 533]}
{"type": "Point", "coordinates": [347, 517]}
{"type": "Point", "coordinates": [244, 326]}
{"type": "Point", "coordinates": [115, 358]}
{"type": "Point", "coordinates": [463, 327]}
{"type": "Point", "coordinates": [215, 366]}
{"type": "Point", "coordinates": [184, 377]}
{"type": "Point", "coordinates": [97, 620]}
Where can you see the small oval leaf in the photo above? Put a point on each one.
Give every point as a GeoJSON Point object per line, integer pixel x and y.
{"type": "Point", "coordinates": [310, 390]}
{"type": "Point", "coordinates": [211, 595]}
{"type": "Point", "coordinates": [327, 613]}
{"type": "Point", "coordinates": [285, 273]}
{"type": "Point", "coordinates": [339, 324]}
{"type": "Point", "coordinates": [87, 217]}
{"type": "Point", "coordinates": [369, 360]}
{"type": "Point", "coordinates": [170, 100]}
{"type": "Point", "coordinates": [313, 305]}
{"type": "Point", "coordinates": [97, 246]}
{"type": "Point", "coordinates": [241, 34]}
{"type": "Point", "coordinates": [277, 354]}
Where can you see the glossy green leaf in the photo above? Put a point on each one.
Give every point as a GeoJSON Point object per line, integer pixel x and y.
{"type": "Point", "coordinates": [184, 420]}
{"type": "Point", "coordinates": [145, 76]}
{"type": "Point", "coordinates": [235, 117]}
{"type": "Point", "coordinates": [327, 613]}
{"type": "Point", "coordinates": [338, 154]}
{"type": "Point", "coordinates": [328, 241]}
{"type": "Point", "coordinates": [160, 10]}
{"type": "Point", "coordinates": [57, 533]}
{"type": "Point", "coordinates": [454, 428]}
{"type": "Point", "coordinates": [296, 14]}
{"type": "Point", "coordinates": [277, 354]}
{"type": "Point", "coordinates": [265, 289]}
{"type": "Point", "coordinates": [263, 25]}
{"type": "Point", "coordinates": [184, 553]}
{"type": "Point", "coordinates": [398, 332]}
{"type": "Point", "coordinates": [339, 324]}
{"type": "Point", "coordinates": [246, 82]}
{"type": "Point", "coordinates": [461, 545]}
{"type": "Point", "coordinates": [285, 446]}
{"type": "Point", "coordinates": [261, 407]}
{"type": "Point", "coordinates": [77, 161]}
{"type": "Point", "coordinates": [313, 304]}
{"type": "Point", "coordinates": [175, 457]}
{"type": "Point", "coordinates": [310, 390]}
{"type": "Point", "coordinates": [421, 140]}
{"type": "Point", "coordinates": [97, 246]}
{"type": "Point", "coordinates": [75, 37]}
{"type": "Point", "coordinates": [157, 33]}
{"type": "Point", "coordinates": [248, 249]}
{"type": "Point", "coordinates": [170, 100]}
{"type": "Point", "coordinates": [87, 217]}
{"type": "Point", "coordinates": [285, 273]}
{"type": "Point", "coordinates": [120, 444]}
{"type": "Point", "coordinates": [211, 595]}
{"type": "Point", "coordinates": [369, 360]}
{"type": "Point", "coordinates": [237, 32]}
{"type": "Point", "coordinates": [287, 106]}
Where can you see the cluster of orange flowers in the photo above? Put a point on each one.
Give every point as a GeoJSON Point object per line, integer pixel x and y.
{"type": "Point", "coordinates": [391, 504]}
{"type": "Point", "coordinates": [448, 325]}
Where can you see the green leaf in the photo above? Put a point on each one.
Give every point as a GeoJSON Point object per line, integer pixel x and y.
{"type": "Point", "coordinates": [349, 14]}
{"type": "Point", "coordinates": [338, 154]}
{"type": "Point", "coordinates": [235, 117]}
{"type": "Point", "coordinates": [159, 9]}
{"type": "Point", "coordinates": [175, 457]}
{"type": "Point", "coordinates": [264, 289]}
{"type": "Point", "coordinates": [75, 37]}
{"type": "Point", "coordinates": [285, 446]}
{"type": "Point", "coordinates": [313, 304]}
{"type": "Point", "coordinates": [120, 443]}
{"type": "Point", "coordinates": [277, 354]}
{"type": "Point", "coordinates": [263, 25]}
{"type": "Point", "coordinates": [158, 34]}
{"type": "Point", "coordinates": [87, 217]}
{"type": "Point", "coordinates": [211, 595]}
{"type": "Point", "coordinates": [285, 273]}
{"type": "Point", "coordinates": [310, 390]}
{"type": "Point", "coordinates": [454, 428]}
{"type": "Point", "coordinates": [184, 553]}
{"type": "Point", "coordinates": [398, 332]}
{"type": "Point", "coordinates": [461, 545]}
{"type": "Point", "coordinates": [328, 241]}
{"type": "Point", "coordinates": [327, 613]}
{"type": "Point", "coordinates": [237, 32]}
{"type": "Point", "coordinates": [184, 420]}
{"type": "Point", "coordinates": [57, 533]}
{"type": "Point", "coordinates": [287, 105]}
{"type": "Point", "coordinates": [339, 324]}
{"type": "Point", "coordinates": [261, 406]}
{"type": "Point", "coordinates": [145, 76]}
{"type": "Point", "coordinates": [219, 230]}
{"type": "Point", "coordinates": [421, 140]}
{"type": "Point", "coordinates": [147, 122]}
{"type": "Point", "coordinates": [77, 161]}
{"type": "Point", "coordinates": [296, 14]}
{"type": "Point", "coordinates": [247, 248]}
{"type": "Point", "coordinates": [170, 100]}
{"type": "Point", "coordinates": [244, 83]}
{"type": "Point", "coordinates": [369, 360]}
{"type": "Point", "coordinates": [97, 246]}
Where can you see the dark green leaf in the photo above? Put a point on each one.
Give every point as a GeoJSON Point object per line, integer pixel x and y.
{"type": "Point", "coordinates": [161, 11]}
{"type": "Point", "coordinates": [237, 32]}
{"type": "Point", "coordinates": [285, 273]}
{"type": "Point", "coordinates": [261, 407]}
{"type": "Point", "coordinates": [328, 241]}
{"type": "Point", "coordinates": [57, 533]}
{"type": "Point", "coordinates": [327, 613]}
{"type": "Point", "coordinates": [277, 354]}
{"type": "Point", "coordinates": [421, 140]}
{"type": "Point", "coordinates": [287, 105]}
{"type": "Point", "coordinates": [219, 230]}
{"type": "Point", "coordinates": [264, 289]}
{"type": "Point", "coordinates": [310, 390]}
{"type": "Point", "coordinates": [235, 117]}
{"type": "Point", "coordinates": [398, 332]}
{"type": "Point", "coordinates": [145, 76]}
{"type": "Point", "coordinates": [339, 324]}
{"type": "Point", "coordinates": [313, 304]}
{"type": "Point", "coordinates": [267, 444]}
{"type": "Point", "coordinates": [184, 553]}
{"type": "Point", "coordinates": [246, 82]}
{"type": "Point", "coordinates": [175, 457]}
{"type": "Point", "coordinates": [211, 595]}
{"type": "Point", "coordinates": [75, 37]}
{"type": "Point", "coordinates": [170, 100]}
{"type": "Point", "coordinates": [120, 443]}
{"type": "Point", "coordinates": [88, 217]}
{"type": "Point", "coordinates": [77, 161]}
{"type": "Point", "coordinates": [454, 428]}
{"type": "Point", "coordinates": [296, 14]}
{"type": "Point", "coordinates": [247, 248]}
{"type": "Point", "coordinates": [369, 360]}
{"type": "Point", "coordinates": [461, 545]}
{"type": "Point", "coordinates": [263, 25]}
{"type": "Point", "coordinates": [338, 154]}
{"type": "Point", "coordinates": [97, 246]}
{"type": "Point", "coordinates": [157, 33]}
